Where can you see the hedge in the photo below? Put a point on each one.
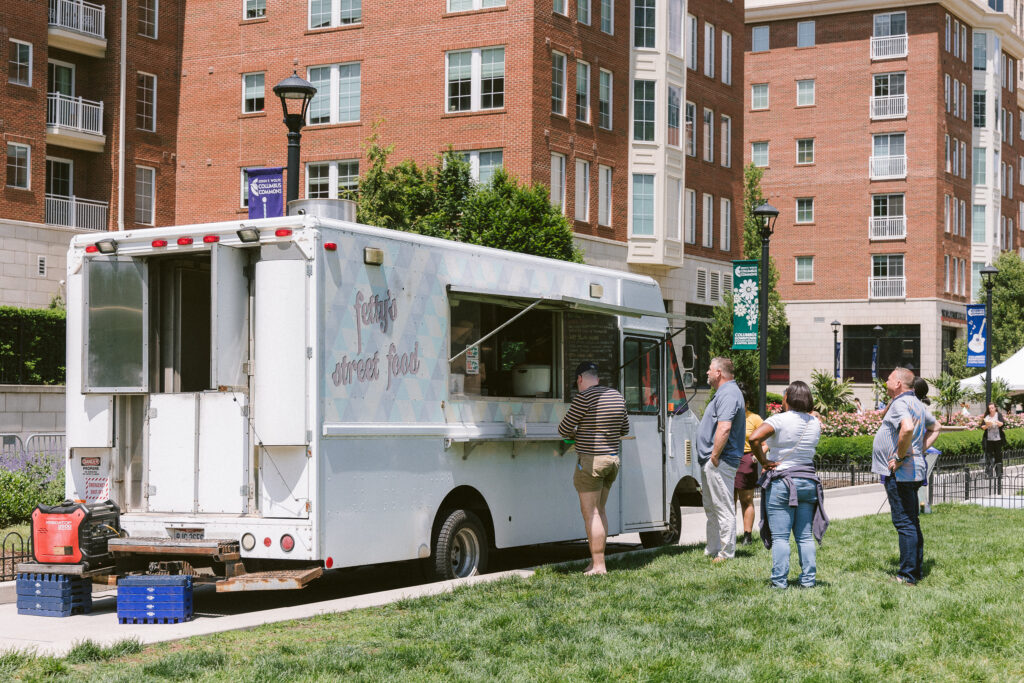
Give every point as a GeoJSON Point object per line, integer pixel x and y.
{"type": "Point", "coordinates": [968, 442]}
{"type": "Point", "coordinates": [31, 345]}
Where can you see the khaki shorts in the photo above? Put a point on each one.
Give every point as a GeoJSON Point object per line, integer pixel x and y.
{"type": "Point", "coordinates": [595, 472]}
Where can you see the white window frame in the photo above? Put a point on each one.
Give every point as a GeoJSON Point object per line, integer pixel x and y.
{"type": "Point", "coordinates": [674, 209]}
{"type": "Point", "coordinates": [949, 23]}
{"type": "Point", "coordinates": [28, 165]}
{"type": "Point", "coordinates": [637, 28]}
{"type": "Point", "coordinates": [725, 224]}
{"type": "Point", "coordinates": [796, 213]}
{"type": "Point", "coordinates": [691, 47]}
{"type": "Point", "coordinates": [946, 213]}
{"type": "Point", "coordinates": [560, 7]}
{"type": "Point", "coordinates": [802, 25]}
{"type": "Point", "coordinates": [726, 58]}
{"type": "Point", "coordinates": [336, 19]}
{"type": "Point", "coordinates": [31, 59]}
{"type": "Point", "coordinates": [804, 163]}
{"type": "Point", "coordinates": [558, 180]}
{"type": "Point", "coordinates": [556, 56]}
{"type": "Point", "coordinates": [726, 140]}
{"type": "Point", "coordinates": [675, 93]}
{"type": "Point", "coordinates": [254, 6]}
{"type": "Point", "coordinates": [243, 181]}
{"type": "Point", "coordinates": [334, 189]}
{"type": "Point", "coordinates": [708, 220]}
{"type": "Point", "coordinates": [582, 191]}
{"type": "Point", "coordinates": [690, 215]}
{"type": "Point", "coordinates": [760, 32]}
{"type": "Point", "coordinates": [333, 94]}
{"type": "Point", "coordinates": [675, 27]}
{"type": "Point", "coordinates": [604, 195]}
{"type": "Point", "coordinates": [709, 49]}
{"type": "Point", "coordinates": [152, 197]}
{"type": "Point", "coordinates": [608, 17]}
{"type": "Point", "coordinates": [813, 93]}
{"type": "Point", "coordinates": [583, 12]}
{"type": "Point", "coordinates": [956, 37]}
{"type": "Point", "coordinates": [606, 102]}
{"type": "Point", "coordinates": [476, 79]}
{"type": "Point", "coordinates": [244, 87]}
{"type": "Point", "coordinates": [947, 82]}
{"type": "Point", "coordinates": [753, 153]}
{"type": "Point", "coordinates": [583, 77]}
{"type": "Point", "coordinates": [40, 266]}
{"type": "Point", "coordinates": [472, 157]}
{"type": "Point", "coordinates": [963, 101]}
{"type": "Point", "coordinates": [138, 101]}
{"type": "Point", "coordinates": [652, 180]}
{"type": "Point", "coordinates": [690, 129]}
{"type": "Point", "coordinates": [807, 260]}
{"type": "Point", "coordinates": [648, 105]}
{"type": "Point", "coordinates": [767, 96]}
{"type": "Point", "coordinates": [708, 139]}
{"type": "Point", "coordinates": [963, 159]}
{"type": "Point", "coordinates": [156, 18]}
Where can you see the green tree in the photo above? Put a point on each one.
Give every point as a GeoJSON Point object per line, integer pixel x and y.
{"type": "Point", "coordinates": [1000, 394]}
{"type": "Point", "coordinates": [396, 197]}
{"type": "Point", "coordinates": [956, 359]}
{"type": "Point", "coordinates": [830, 394]}
{"type": "Point", "coordinates": [1007, 333]}
{"type": "Point", "coordinates": [747, 362]}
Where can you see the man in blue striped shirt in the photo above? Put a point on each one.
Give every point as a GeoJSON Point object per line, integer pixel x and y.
{"type": "Point", "coordinates": [906, 432]}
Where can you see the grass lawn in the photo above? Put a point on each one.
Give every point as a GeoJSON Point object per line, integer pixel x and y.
{"type": "Point", "coordinates": [668, 615]}
{"type": "Point", "coordinates": [13, 542]}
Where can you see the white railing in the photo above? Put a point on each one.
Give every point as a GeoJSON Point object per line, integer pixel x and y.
{"type": "Point", "coordinates": [75, 113]}
{"type": "Point", "coordinates": [889, 47]}
{"type": "Point", "coordinates": [889, 107]}
{"type": "Point", "coordinates": [887, 288]}
{"type": "Point", "coordinates": [887, 227]}
{"type": "Point", "coordinates": [884, 168]}
{"type": "Point", "coordinates": [73, 212]}
{"type": "Point", "coordinates": [77, 15]}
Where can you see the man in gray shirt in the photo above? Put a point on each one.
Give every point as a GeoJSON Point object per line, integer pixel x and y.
{"type": "Point", "coordinates": [719, 450]}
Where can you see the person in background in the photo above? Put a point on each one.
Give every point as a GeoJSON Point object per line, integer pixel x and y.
{"type": "Point", "coordinates": [994, 439]}
{"type": "Point", "coordinates": [719, 451]}
{"type": "Point", "coordinates": [746, 473]}
{"type": "Point", "coordinates": [792, 497]}
{"type": "Point", "coordinates": [921, 392]}
{"type": "Point", "coordinates": [964, 410]}
{"type": "Point", "coordinates": [858, 406]}
{"type": "Point", "coordinates": [597, 420]}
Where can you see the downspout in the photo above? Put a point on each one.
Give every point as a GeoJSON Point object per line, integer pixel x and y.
{"type": "Point", "coordinates": [120, 118]}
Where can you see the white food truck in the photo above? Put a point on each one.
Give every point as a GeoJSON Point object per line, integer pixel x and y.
{"type": "Point", "coordinates": [265, 399]}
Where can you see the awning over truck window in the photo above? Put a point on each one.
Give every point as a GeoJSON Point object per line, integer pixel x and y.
{"type": "Point", "coordinates": [565, 303]}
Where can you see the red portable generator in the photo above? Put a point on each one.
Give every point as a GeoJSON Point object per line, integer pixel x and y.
{"type": "Point", "coordinates": [75, 533]}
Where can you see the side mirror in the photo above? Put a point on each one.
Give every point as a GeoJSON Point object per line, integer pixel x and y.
{"type": "Point", "coordinates": [688, 357]}
{"type": "Point", "coordinates": [688, 380]}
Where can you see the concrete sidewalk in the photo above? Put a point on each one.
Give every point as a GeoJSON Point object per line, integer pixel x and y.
{"type": "Point", "coordinates": [49, 636]}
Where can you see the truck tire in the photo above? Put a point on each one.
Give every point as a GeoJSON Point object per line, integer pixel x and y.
{"type": "Point", "coordinates": [670, 536]}
{"type": "Point", "coordinates": [460, 547]}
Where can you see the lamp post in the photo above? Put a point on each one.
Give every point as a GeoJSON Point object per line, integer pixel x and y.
{"type": "Point", "coordinates": [296, 94]}
{"type": "Point", "coordinates": [877, 329]}
{"type": "Point", "coordinates": [835, 347]}
{"type": "Point", "coordinates": [987, 273]}
{"type": "Point", "coordinates": [766, 215]}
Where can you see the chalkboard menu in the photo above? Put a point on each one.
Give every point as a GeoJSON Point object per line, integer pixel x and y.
{"type": "Point", "coordinates": [591, 337]}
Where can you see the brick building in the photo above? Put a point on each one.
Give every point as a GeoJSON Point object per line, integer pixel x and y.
{"type": "Point", "coordinates": [888, 143]}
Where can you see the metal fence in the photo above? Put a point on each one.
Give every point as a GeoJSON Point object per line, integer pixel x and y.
{"type": "Point", "coordinates": [41, 453]}
{"type": "Point", "coordinates": [15, 548]}
{"type": "Point", "coordinates": [973, 479]}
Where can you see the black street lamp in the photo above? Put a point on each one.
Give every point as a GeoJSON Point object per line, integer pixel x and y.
{"type": "Point", "coordinates": [987, 273]}
{"type": "Point", "coordinates": [296, 94]}
{"type": "Point", "coordinates": [876, 352]}
{"type": "Point", "coordinates": [766, 215]}
{"type": "Point", "coordinates": [835, 347]}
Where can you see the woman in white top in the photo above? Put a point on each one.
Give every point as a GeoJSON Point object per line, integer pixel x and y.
{"type": "Point", "coordinates": [792, 495]}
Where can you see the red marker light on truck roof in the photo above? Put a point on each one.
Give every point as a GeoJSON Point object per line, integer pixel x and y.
{"type": "Point", "coordinates": [282, 232]}
{"type": "Point", "coordinates": [159, 243]}
{"type": "Point", "coordinates": [184, 241]}
{"type": "Point", "coordinates": [91, 249]}
{"type": "Point", "coordinates": [208, 239]}
{"type": "Point", "coordinates": [330, 246]}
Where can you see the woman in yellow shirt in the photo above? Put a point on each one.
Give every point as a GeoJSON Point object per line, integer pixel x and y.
{"type": "Point", "coordinates": [746, 473]}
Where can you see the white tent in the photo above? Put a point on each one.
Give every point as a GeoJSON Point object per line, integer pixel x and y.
{"type": "Point", "coordinates": [1010, 371]}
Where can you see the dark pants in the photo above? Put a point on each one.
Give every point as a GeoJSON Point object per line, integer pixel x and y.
{"type": "Point", "coordinates": [994, 456]}
{"type": "Point", "coordinates": [904, 505]}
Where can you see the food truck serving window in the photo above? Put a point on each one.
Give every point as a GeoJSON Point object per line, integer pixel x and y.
{"type": "Point", "coordinates": [116, 318]}
{"type": "Point", "coordinates": [518, 360]}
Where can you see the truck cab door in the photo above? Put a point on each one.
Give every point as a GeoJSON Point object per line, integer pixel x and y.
{"type": "Point", "coordinates": [642, 469]}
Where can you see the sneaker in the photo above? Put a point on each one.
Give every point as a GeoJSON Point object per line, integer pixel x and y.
{"type": "Point", "coordinates": [905, 582]}
{"type": "Point", "coordinates": [747, 540]}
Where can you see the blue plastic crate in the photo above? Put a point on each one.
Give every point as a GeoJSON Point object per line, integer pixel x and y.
{"type": "Point", "coordinates": [52, 588]}
{"type": "Point", "coordinates": [65, 609]}
{"type": "Point", "coordinates": [53, 604]}
{"type": "Point", "coordinates": [169, 595]}
{"type": "Point", "coordinates": [152, 620]}
{"type": "Point", "coordinates": [154, 580]}
{"type": "Point", "coordinates": [154, 599]}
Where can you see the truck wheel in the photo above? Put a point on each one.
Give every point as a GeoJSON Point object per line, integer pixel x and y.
{"type": "Point", "coordinates": [670, 536]}
{"type": "Point", "coordinates": [460, 547]}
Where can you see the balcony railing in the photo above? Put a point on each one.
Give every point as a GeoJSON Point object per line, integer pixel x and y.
{"type": "Point", "coordinates": [889, 107]}
{"type": "Point", "coordinates": [887, 227]}
{"type": "Point", "coordinates": [887, 288]}
{"type": "Point", "coordinates": [73, 212]}
{"type": "Point", "coordinates": [75, 113]}
{"type": "Point", "coordinates": [886, 168]}
{"type": "Point", "coordinates": [80, 16]}
{"type": "Point", "coordinates": [889, 47]}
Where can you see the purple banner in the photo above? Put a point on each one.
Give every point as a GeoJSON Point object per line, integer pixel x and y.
{"type": "Point", "coordinates": [266, 192]}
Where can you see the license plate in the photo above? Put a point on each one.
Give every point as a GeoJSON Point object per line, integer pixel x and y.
{"type": "Point", "coordinates": [187, 534]}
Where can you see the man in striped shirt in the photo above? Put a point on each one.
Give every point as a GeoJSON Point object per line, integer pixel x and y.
{"type": "Point", "coordinates": [597, 421]}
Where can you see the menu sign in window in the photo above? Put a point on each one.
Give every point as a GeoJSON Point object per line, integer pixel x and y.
{"type": "Point", "coordinates": [591, 337]}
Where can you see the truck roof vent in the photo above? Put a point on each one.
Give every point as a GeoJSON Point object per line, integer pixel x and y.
{"type": "Point", "coordinates": [340, 209]}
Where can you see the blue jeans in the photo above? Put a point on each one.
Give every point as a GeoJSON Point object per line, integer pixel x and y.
{"type": "Point", "coordinates": [904, 505]}
{"type": "Point", "coordinates": [783, 519]}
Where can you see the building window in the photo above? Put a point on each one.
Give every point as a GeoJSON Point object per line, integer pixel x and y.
{"type": "Point", "coordinates": [643, 110]}
{"type": "Point", "coordinates": [725, 225]}
{"type": "Point", "coordinates": [805, 93]}
{"type": "Point", "coordinates": [558, 83]}
{"type": "Point", "coordinates": [483, 163]}
{"type": "Point", "coordinates": [889, 205]}
{"type": "Point", "coordinates": [709, 135]}
{"type": "Point", "coordinates": [891, 24]}
{"type": "Point", "coordinates": [675, 27]}
{"type": "Point", "coordinates": [674, 97]}
{"type": "Point", "coordinates": [643, 203]}
{"type": "Point", "coordinates": [759, 39]}
{"type": "Point", "coordinates": [759, 154]}
{"type": "Point", "coordinates": [467, 5]}
{"type": "Point", "coordinates": [243, 200]}
{"type": "Point", "coordinates": [608, 16]}
{"type": "Point", "coordinates": [708, 216]}
{"type": "Point", "coordinates": [979, 109]}
{"type": "Point", "coordinates": [805, 34]}
{"type": "Point", "coordinates": [963, 159]}
{"type": "Point", "coordinates": [946, 212]}
{"type": "Point", "coordinates": [805, 269]}
{"type": "Point", "coordinates": [338, 93]}
{"type": "Point", "coordinates": [980, 51]}
{"type": "Point", "coordinates": [18, 157]}
{"type": "Point", "coordinates": [726, 58]}
{"type": "Point", "coordinates": [956, 98]}
{"type": "Point", "coordinates": [978, 224]}
{"type": "Point", "coordinates": [702, 283]}
{"type": "Point", "coordinates": [690, 216]}
{"type": "Point", "coordinates": [41, 266]}
{"type": "Point", "coordinates": [805, 151]}
{"type": "Point", "coordinates": [19, 66]}
{"type": "Point", "coordinates": [963, 218]}
{"type": "Point", "coordinates": [560, 7]}
{"type": "Point", "coordinates": [604, 100]}
{"type": "Point", "coordinates": [805, 210]}
{"type": "Point", "coordinates": [956, 162]}
{"type": "Point", "coordinates": [691, 129]}
{"type": "Point", "coordinates": [946, 80]}
{"type": "Point", "coordinates": [726, 141]}
{"type": "Point", "coordinates": [582, 190]}
{"type": "Point", "coordinates": [949, 166]}
{"type": "Point", "coordinates": [326, 13]}
{"type": "Point", "coordinates": [675, 208]}
{"type": "Point", "coordinates": [948, 29]}
{"type": "Point", "coordinates": [145, 101]}
{"type": "Point", "coordinates": [582, 92]}
{"type": "Point", "coordinates": [558, 180]}
{"type": "Point", "coordinates": [255, 9]}
{"type": "Point", "coordinates": [643, 23]}
{"type": "Point", "coordinates": [604, 195]}
{"type": "Point", "coordinates": [145, 194]}
{"type": "Point", "coordinates": [476, 79]}
{"type": "Point", "coordinates": [147, 18]}
{"type": "Point", "coordinates": [759, 96]}
{"type": "Point", "coordinates": [976, 271]}
{"type": "Point", "coordinates": [887, 265]}
{"type": "Point", "coordinates": [888, 85]}
{"type": "Point", "coordinates": [709, 50]}
{"type": "Point", "coordinates": [963, 277]}
{"type": "Point", "coordinates": [691, 45]}
{"type": "Point", "coordinates": [332, 180]}
{"type": "Point", "coordinates": [889, 144]}
{"type": "Point", "coordinates": [963, 42]}
{"type": "Point", "coordinates": [252, 93]}
{"type": "Point", "coordinates": [978, 166]}
{"type": "Point", "coordinates": [583, 11]}
{"type": "Point", "coordinates": [963, 99]}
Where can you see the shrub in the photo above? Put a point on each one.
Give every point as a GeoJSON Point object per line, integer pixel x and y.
{"type": "Point", "coordinates": [858, 448]}
{"type": "Point", "coordinates": [23, 485]}
{"type": "Point", "coordinates": [31, 346]}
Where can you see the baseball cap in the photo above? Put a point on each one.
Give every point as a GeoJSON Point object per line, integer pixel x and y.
{"type": "Point", "coordinates": [586, 366]}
